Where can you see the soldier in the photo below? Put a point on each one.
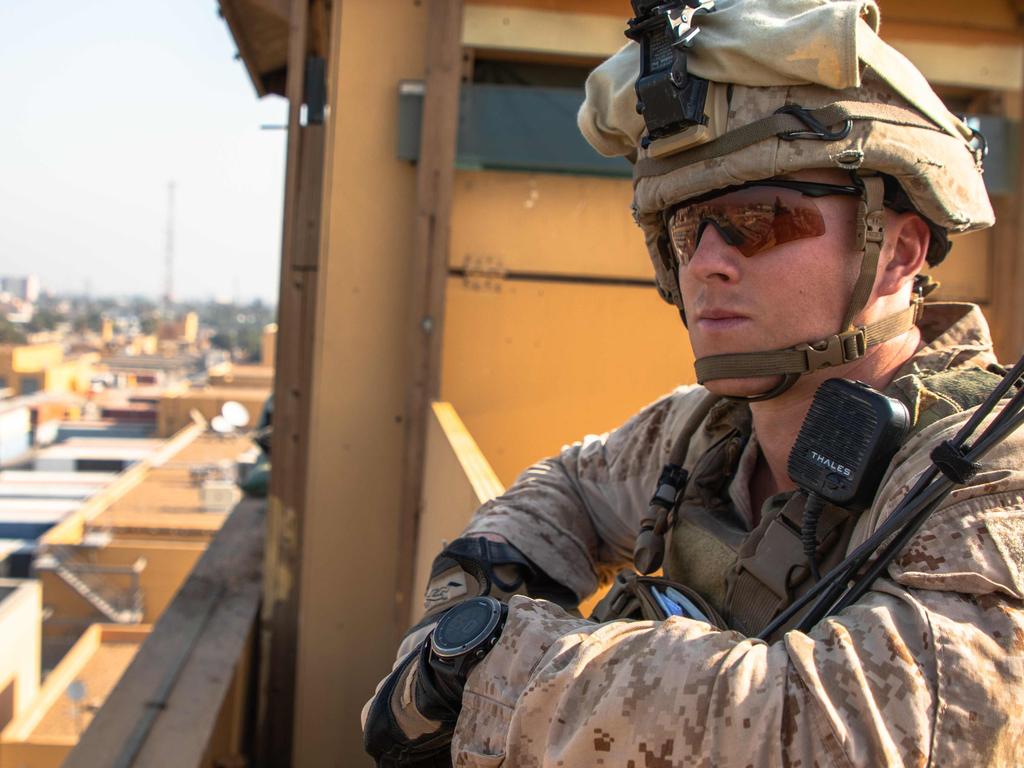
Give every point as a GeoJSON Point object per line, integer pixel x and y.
{"type": "Point", "coordinates": [789, 227]}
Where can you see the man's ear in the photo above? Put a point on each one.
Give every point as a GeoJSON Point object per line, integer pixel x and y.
{"type": "Point", "coordinates": [907, 238]}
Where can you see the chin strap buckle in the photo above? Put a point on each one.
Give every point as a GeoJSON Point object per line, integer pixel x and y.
{"type": "Point", "coordinates": [835, 350]}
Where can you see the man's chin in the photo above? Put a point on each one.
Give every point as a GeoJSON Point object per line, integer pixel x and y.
{"type": "Point", "coordinates": [749, 387]}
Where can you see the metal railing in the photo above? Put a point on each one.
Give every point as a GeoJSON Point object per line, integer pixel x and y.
{"type": "Point", "coordinates": [102, 586]}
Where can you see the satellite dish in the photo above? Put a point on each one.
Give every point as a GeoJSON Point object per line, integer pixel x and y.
{"type": "Point", "coordinates": [221, 426]}
{"type": "Point", "coordinates": [235, 414]}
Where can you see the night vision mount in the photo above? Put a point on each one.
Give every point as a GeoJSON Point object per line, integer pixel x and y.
{"type": "Point", "coordinates": [674, 103]}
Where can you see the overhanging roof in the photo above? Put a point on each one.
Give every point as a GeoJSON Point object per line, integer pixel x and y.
{"type": "Point", "coordinates": [260, 30]}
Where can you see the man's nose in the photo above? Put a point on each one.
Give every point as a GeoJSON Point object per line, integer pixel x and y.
{"type": "Point", "coordinates": [713, 257]}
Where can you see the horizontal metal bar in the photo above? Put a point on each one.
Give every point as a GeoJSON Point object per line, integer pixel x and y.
{"type": "Point", "coordinates": [551, 277]}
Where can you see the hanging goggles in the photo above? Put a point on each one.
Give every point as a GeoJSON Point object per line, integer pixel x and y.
{"type": "Point", "coordinates": [753, 217]}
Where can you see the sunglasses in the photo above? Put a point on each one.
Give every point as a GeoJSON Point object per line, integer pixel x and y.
{"type": "Point", "coordinates": [752, 217]}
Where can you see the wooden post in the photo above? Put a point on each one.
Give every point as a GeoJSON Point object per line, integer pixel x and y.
{"type": "Point", "coordinates": [1006, 311]}
{"type": "Point", "coordinates": [434, 182]}
{"type": "Point", "coordinates": [361, 370]}
{"type": "Point", "coordinates": [292, 393]}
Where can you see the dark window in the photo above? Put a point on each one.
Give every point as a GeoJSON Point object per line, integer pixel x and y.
{"type": "Point", "coordinates": [100, 465]}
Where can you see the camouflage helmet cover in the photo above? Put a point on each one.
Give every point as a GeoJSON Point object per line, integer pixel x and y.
{"type": "Point", "coordinates": [824, 58]}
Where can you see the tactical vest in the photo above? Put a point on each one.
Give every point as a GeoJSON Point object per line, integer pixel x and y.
{"type": "Point", "coordinates": [749, 575]}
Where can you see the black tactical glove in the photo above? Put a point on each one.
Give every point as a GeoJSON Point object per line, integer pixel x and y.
{"type": "Point", "coordinates": [471, 567]}
{"type": "Point", "coordinates": [411, 718]}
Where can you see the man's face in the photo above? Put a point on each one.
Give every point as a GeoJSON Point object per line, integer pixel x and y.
{"type": "Point", "coordinates": [790, 293]}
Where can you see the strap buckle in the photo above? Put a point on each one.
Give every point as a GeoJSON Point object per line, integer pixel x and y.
{"type": "Point", "coordinates": [613, 605]}
{"type": "Point", "coordinates": [817, 130]}
{"type": "Point", "coordinates": [833, 350]}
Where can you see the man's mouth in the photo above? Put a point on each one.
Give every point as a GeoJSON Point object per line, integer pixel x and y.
{"type": "Point", "coordinates": [722, 319]}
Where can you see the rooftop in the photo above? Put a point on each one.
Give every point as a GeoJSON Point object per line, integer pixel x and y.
{"type": "Point", "coordinates": [98, 675]}
{"type": "Point", "coordinates": [14, 546]}
{"type": "Point", "coordinates": [174, 489]}
{"type": "Point", "coordinates": [101, 448]}
{"type": "Point", "coordinates": [33, 509]}
{"type": "Point", "coordinates": [15, 477]}
{"type": "Point", "coordinates": [97, 661]}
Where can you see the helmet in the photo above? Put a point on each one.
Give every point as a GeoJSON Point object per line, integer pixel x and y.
{"type": "Point", "coordinates": [794, 85]}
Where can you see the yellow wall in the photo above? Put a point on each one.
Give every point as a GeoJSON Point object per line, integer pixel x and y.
{"type": "Point", "coordinates": [174, 407]}
{"type": "Point", "coordinates": [537, 365]}
{"type": "Point", "coordinates": [20, 747]}
{"type": "Point", "coordinates": [143, 345]}
{"type": "Point", "coordinates": [268, 345]}
{"type": "Point", "coordinates": [34, 754]}
{"type": "Point", "coordinates": [550, 223]}
{"type": "Point", "coordinates": [251, 376]}
{"type": "Point", "coordinates": [21, 361]}
{"type": "Point", "coordinates": [46, 365]}
{"type": "Point", "coordinates": [190, 327]}
{"type": "Point", "coordinates": [67, 611]}
{"type": "Point", "coordinates": [361, 372]}
{"type": "Point", "coordinates": [966, 274]}
{"type": "Point", "coordinates": [531, 365]}
{"type": "Point", "coordinates": [227, 739]}
{"type": "Point", "coordinates": [20, 619]}
{"type": "Point", "coordinates": [168, 563]}
{"type": "Point", "coordinates": [36, 357]}
{"type": "Point", "coordinates": [73, 375]}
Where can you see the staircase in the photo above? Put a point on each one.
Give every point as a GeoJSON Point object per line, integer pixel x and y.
{"type": "Point", "coordinates": [119, 605]}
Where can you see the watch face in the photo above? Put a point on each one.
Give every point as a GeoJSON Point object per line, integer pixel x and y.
{"type": "Point", "coordinates": [465, 625]}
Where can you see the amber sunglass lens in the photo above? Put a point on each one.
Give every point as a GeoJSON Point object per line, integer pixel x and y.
{"type": "Point", "coordinates": [750, 224]}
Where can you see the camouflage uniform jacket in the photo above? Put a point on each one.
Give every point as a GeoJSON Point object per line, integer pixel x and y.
{"type": "Point", "coordinates": [928, 668]}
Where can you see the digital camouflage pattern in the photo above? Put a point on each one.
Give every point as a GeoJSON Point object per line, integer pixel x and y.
{"type": "Point", "coordinates": [928, 668]}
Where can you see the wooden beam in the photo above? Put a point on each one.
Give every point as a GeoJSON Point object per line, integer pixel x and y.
{"type": "Point", "coordinates": [164, 709]}
{"type": "Point", "coordinates": [457, 480]}
{"type": "Point", "coordinates": [292, 387]}
{"type": "Point", "coordinates": [506, 28]}
{"type": "Point", "coordinates": [434, 183]}
{"type": "Point", "coordinates": [986, 66]}
{"type": "Point", "coordinates": [952, 13]}
{"type": "Point", "coordinates": [362, 370]}
{"type": "Point", "coordinates": [279, 8]}
{"type": "Point", "coordinates": [944, 33]}
{"type": "Point", "coordinates": [980, 57]}
{"type": "Point", "coordinates": [1007, 309]}
{"type": "Point", "coordinates": [229, 12]}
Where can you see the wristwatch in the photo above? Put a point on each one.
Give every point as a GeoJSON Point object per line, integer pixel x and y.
{"type": "Point", "coordinates": [465, 634]}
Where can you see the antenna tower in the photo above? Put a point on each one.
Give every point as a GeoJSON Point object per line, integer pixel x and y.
{"type": "Point", "coordinates": [168, 298]}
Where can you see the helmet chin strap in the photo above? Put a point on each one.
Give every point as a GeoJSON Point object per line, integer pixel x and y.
{"type": "Point", "coordinates": [851, 343]}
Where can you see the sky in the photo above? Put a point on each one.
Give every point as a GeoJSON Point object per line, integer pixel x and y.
{"type": "Point", "coordinates": [102, 105]}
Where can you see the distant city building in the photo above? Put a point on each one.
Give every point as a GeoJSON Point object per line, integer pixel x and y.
{"type": "Point", "coordinates": [268, 344]}
{"type": "Point", "coordinates": [30, 368]}
{"type": "Point", "coordinates": [24, 287]}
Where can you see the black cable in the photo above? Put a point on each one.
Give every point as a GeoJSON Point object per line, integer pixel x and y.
{"type": "Point", "coordinates": [809, 531]}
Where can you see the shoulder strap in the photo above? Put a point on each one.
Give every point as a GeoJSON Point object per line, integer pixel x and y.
{"type": "Point", "coordinates": [649, 549]}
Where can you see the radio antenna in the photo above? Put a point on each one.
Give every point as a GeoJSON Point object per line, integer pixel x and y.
{"type": "Point", "coordinates": [168, 297]}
